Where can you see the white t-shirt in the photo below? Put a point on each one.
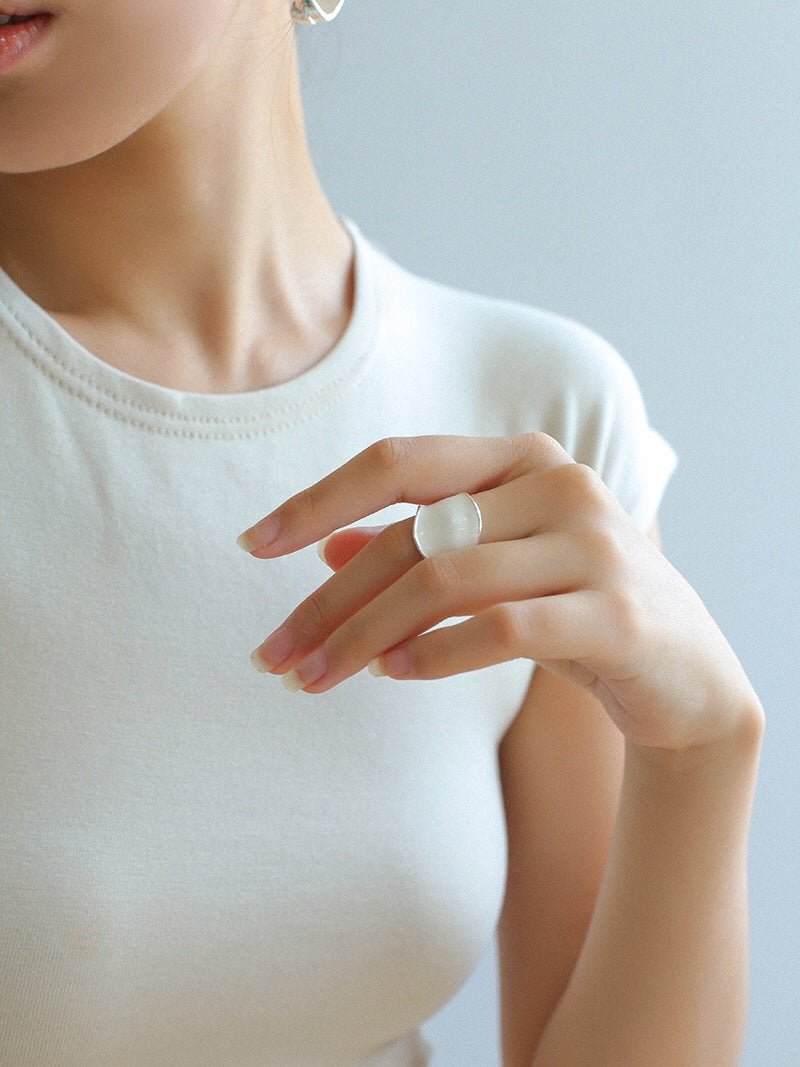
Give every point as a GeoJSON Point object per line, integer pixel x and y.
{"type": "Point", "coordinates": [197, 867]}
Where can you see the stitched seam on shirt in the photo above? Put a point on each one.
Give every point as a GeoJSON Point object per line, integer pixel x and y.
{"type": "Point", "coordinates": [326, 395]}
{"type": "Point", "coordinates": [187, 433]}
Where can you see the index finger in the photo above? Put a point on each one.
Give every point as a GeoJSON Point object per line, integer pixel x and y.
{"type": "Point", "coordinates": [417, 470]}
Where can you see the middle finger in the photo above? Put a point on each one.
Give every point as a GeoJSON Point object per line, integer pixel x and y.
{"type": "Point", "coordinates": [513, 510]}
{"type": "Point", "coordinates": [462, 582]}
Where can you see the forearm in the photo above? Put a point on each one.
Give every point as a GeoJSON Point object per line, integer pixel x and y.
{"type": "Point", "coordinates": [662, 977]}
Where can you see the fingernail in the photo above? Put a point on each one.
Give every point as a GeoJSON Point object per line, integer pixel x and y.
{"type": "Point", "coordinates": [259, 536]}
{"type": "Point", "coordinates": [257, 662]}
{"type": "Point", "coordinates": [243, 541]}
{"type": "Point", "coordinates": [309, 670]}
{"type": "Point", "coordinates": [291, 681]}
{"type": "Point", "coordinates": [321, 548]}
{"type": "Point", "coordinates": [396, 663]}
{"type": "Point", "coordinates": [276, 648]}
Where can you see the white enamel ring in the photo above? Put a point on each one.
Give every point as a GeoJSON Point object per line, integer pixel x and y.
{"type": "Point", "coordinates": [448, 524]}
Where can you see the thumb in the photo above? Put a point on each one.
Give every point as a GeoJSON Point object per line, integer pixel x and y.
{"type": "Point", "coordinates": [340, 546]}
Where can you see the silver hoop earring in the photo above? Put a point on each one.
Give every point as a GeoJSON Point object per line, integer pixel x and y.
{"type": "Point", "coordinates": [311, 12]}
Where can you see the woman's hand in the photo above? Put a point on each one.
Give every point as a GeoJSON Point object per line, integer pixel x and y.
{"type": "Point", "coordinates": [561, 576]}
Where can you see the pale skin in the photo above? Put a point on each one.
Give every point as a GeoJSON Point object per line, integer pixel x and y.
{"type": "Point", "coordinates": [189, 242]}
{"type": "Point", "coordinates": [166, 174]}
{"type": "Point", "coordinates": [649, 958]}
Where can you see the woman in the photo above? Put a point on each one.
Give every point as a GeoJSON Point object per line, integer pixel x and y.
{"type": "Point", "coordinates": [198, 866]}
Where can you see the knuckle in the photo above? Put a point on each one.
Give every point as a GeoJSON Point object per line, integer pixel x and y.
{"type": "Point", "coordinates": [580, 488]}
{"type": "Point", "coordinates": [315, 612]}
{"type": "Point", "coordinates": [508, 628]}
{"type": "Point", "coordinates": [525, 451]}
{"type": "Point", "coordinates": [540, 445]}
{"type": "Point", "coordinates": [531, 450]}
{"type": "Point", "coordinates": [625, 615]}
{"type": "Point", "coordinates": [391, 454]}
{"type": "Point", "coordinates": [532, 441]}
{"type": "Point", "coordinates": [602, 542]}
{"type": "Point", "coordinates": [439, 576]}
{"type": "Point", "coordinates": [396, 540]}
{"type": "Point", "coordinates": [584, 478]}
{"type": "Point", "coordinates": [312, 503]}
{"type": "Point", "coordinates": [352, 636]}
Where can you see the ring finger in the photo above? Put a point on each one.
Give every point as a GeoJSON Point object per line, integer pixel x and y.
{"type": "Point", "coordinates": [462, 582]}
{"type": "Point", "coordinates": [506, 511]}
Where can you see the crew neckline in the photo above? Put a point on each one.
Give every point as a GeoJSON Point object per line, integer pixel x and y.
{"type": "Point", "coordinates": [150, 406]}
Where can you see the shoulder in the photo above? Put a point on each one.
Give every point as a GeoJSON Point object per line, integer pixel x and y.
{"type": "Point", "coordinates": [520, 337]}
{"type": "Point", "coordinates": [521, 365]}
{"type": "Point", "coordinates": [485, 365]}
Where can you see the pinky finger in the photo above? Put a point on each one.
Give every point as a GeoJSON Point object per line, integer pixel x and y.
{"type": "Point", "coordinates": [560, 626]}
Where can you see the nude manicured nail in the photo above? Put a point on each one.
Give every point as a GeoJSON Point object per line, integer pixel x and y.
{"type": "Point", "coordinates": [259, 536]}
{"type": "Point", "coordinates": [396, 663]}
{"type": "Point", "coordinates": [309, 670]}
{"type": "Point", "coordinates": [321, 548]}
{"type": "Point", "coordinates": [276, 648]}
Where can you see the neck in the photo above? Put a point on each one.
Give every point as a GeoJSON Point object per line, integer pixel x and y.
{"type": "Point", "coordinates": [198, 237]}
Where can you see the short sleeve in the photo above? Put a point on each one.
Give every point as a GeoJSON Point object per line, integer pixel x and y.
{"type": "Point", "coordinates": [634, 460]}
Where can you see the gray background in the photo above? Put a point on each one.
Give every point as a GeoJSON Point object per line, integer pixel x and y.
{"type": "Point", "coordinates": [633, 166]}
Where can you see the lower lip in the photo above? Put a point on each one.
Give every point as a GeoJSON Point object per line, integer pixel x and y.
{"type": "Point", "coordinates": [18, 41]}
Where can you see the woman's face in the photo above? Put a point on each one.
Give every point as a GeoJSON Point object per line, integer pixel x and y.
{"type": "Point", "coordinates": [106, 67]}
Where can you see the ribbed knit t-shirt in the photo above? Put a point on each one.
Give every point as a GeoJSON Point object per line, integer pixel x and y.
{"type": "Point", "coordinates": [199, 868]}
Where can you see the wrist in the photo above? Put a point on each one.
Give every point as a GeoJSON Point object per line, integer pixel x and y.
{"type": "Point", "coordinates": [740, 745]}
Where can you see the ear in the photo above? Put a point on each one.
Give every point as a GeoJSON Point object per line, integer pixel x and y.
{"type": "Point", "coordinates": [340, 547]}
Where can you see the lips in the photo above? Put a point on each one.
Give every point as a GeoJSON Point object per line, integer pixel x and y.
{"type": "Point", "coordinates": [11, 22]}
{"type": "Point", "coordinates": [18, 12]}
{"type": "Point", "coordinates": [20, 38]}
